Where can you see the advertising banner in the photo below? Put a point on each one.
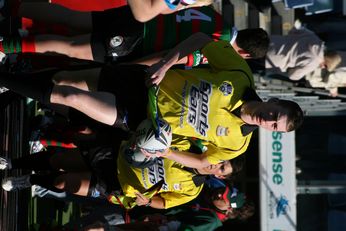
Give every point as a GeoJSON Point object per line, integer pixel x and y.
{"type": "Point", "coordinates": [277, 181]}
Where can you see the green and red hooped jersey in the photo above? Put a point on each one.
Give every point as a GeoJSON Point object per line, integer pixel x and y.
{"type": "Point", "coordinates": [166, 31]}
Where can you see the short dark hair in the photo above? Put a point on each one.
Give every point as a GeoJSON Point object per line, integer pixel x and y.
{"type": "Point", "coordinates": [237, 164]}
{"type": "Point", "coordinates": [292, 110]}
{"type": "Point", "coordinates": [255, 41]}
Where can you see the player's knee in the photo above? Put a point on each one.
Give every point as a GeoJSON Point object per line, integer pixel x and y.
{"type": "Point", "coordinates": [60, 183]}
{"type": "Point", "coordinates": [72, 99]}
{"type": "Point", "coordinates": [65, 95]}
{"type": "Point", "coordinates": [60, 79]}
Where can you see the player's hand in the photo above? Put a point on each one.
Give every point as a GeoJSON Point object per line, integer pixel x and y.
{"type": "Point", "coordinates": [141, 199]}
{"type": "Point", "coordinates": [333, 92]}
{"type": "Point", "coordinates": [157, 71]}
{"type": "Point", "coordinates": [156, 154]}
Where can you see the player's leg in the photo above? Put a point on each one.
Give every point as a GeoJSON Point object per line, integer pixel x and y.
{"type": "Point", "coordinates": [100, 106]}
{"type": "Point", "coordinates": [76, 183]}
{"type": "Point", "coordinates": [52, 160]}
{"type": "Point", "coordinates": [102, 179]}
{"type": "Point", "coordinates": [74, 47]}
{"type": "Point", "coordinates": [78, 79]}
{"type": "Point", "coordinates": [56, 14]}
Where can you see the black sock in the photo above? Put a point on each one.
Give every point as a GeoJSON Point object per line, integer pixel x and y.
{"type": "Point", "coordinates": [7, 97]}
{"type": "Point", "coordinates": [46, 181]}
{"type": "Point", "coordinates": [35, 85]}
{"type": "Point", "coordinates": [38, 161]}
{"type": "Point", "coordinates": [9, 25]}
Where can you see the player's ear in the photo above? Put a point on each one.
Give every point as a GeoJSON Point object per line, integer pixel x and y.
{"type": "Point", "coordinates": [244, 54]}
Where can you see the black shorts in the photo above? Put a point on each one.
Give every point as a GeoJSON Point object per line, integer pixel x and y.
{"type": "Point", "coordinates": [103, 163]}
{"type": "Point", "coordinates": [127, 83]}
{"type": "Point", "coordinates": [100, 154]}
{"type": "Point", "coordinates": [116, 34]}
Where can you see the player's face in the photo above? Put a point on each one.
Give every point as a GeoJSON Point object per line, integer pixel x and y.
{"type": "Point", "coordinates": [220, 169]}
{"type": "Point", "coordinates": [279, 125]}
{"type": "Point", "coordinates": [268, 116]}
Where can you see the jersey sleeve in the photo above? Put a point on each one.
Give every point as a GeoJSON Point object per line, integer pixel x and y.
{"type": "Point", "coordinates": [216, 155]}
{"type": "Point", "coordinates": [222, 56]}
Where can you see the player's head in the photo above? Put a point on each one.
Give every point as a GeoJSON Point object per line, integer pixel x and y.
{"type": "Point", "coordinates": [331, 60]}
{"type": "Point", "coordinates": [275, 115]}
{"type": "Point", "coordinates": [231, 204]}
{"type": "Point", "coordinates": [252, 43]}
{"type": "Point", "coordinates": [225, 169]}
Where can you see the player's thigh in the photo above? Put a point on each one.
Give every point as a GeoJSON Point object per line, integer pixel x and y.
{"type": "Point", "coordinates": [69, 160]}
{"type": "Point", "coordinates": [86, 79]}
{"type": "Point", "coordinates": [75, 47]}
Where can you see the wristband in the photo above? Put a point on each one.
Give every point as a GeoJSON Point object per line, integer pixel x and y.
{"type": "Point", "coordinates": [197, 57]}
{"type": "Point", "coordinates": [190, 60]}
{"type": "Point", "coordinates": [149, 203]}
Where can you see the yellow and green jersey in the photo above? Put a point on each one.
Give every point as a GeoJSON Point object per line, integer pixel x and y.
{"type": "Point", "coordinates": [198, 102]}
{"type": "Point", "coordinates": [178, 187]}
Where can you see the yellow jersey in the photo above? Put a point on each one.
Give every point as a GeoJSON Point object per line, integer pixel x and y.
{"type": "Point", "coordinates": [198, 102]}
{"type": "Point", "coordinates": [178, 187]}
